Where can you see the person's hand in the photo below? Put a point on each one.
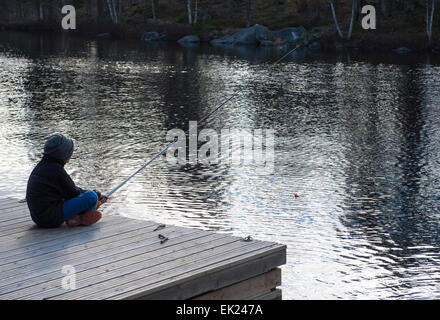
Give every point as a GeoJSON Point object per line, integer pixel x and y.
{"type": "Point", "coordinates": [103, 199]}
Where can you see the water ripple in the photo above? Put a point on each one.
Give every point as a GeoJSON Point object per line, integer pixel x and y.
{"type": "Point", "coordinates": [357, 140]}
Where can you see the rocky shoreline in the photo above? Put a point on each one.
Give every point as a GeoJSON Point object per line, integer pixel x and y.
{"type": "Point", "coordinates": [313, 39]}
{"type": "Point", "coordinates": [257, 35]}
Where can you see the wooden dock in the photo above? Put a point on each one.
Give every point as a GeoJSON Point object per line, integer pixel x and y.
{"type": "Point", "coordinates": [122, 258]}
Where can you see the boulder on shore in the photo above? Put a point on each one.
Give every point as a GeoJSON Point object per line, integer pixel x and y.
{"type": "Point", "coordinates": [315, 34]}
{"type": "Point", "coordinates": [267, 43]}
{"type": "Point", "coordinates": [249, 36]}
{"type": "Point", "coordinates": [226, 40]}
{"type": "Point", "coordinates": [214, 34]}
{"type": "Point", "coordinates": [189, 39]}
{"type": "Point", "coordinates": [152, 36]}
{"type": "Point", "coordinates": [315, 46]}
{"type": "Point", "coordinates": [292, 36]}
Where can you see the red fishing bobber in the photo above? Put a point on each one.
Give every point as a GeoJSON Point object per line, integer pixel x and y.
{"type": "Point", "coordinates": [296, 195]}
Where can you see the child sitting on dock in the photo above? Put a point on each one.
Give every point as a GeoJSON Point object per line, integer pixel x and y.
{"type": "Point", "coordinates": [52, 196]}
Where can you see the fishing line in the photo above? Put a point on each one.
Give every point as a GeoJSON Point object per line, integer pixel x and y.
{"type": "Point", "coordinates": [202, 120]}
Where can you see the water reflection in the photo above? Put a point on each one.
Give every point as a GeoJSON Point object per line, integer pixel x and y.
{"type": "Point", "coordinates": [356, 137]}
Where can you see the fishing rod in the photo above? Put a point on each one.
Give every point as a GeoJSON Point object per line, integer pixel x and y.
{"type": "Point", "coordinates": [206, 117]}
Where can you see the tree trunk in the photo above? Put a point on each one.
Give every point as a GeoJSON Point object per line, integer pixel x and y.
{"type": "Point", "coordinates": [188, 9]}
{"type": "Point", "coordinates": [432, 19]}
{"type": "Point", "coordinates": [353, 7]}
{"type": "Point", "coordinates": [110, 10]}
{"type": "Point", "coordinates": [429, 19]}
{"type": "Point", "coordinates": [338, 29]}
{"type": "Point", "coordinates": [358, 9]}
{"type": "Point", "coordinates": [248, 13]}
{"type": "Point", "coordinates": [115, 13]}
{"type": "Point", "coordinates": [153, 10]}
{"type": "Point", "coordinates": [196, 10]}
{"type": "Point", "coordinates": [40, 10]}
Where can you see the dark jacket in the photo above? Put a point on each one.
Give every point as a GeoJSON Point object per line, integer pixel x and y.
{"type": "Point", "coordinates": [48, 186]}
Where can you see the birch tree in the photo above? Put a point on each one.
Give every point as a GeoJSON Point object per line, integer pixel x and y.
{"type": "Point", "coordinates": [39, 10]}
{"type": "Point", "coordinates": [110, 10]}
{"type": "Point", "coordinates": [354, 3]}
{"type": "Point", "coordinates": [153, 10]}
{"type": "Point", "coordinates": [191, 19]}
{"type": "Point", "coordinates": [196, 10]}
{"type": "Point", "coordinates": [248, 13]}
{"type": "Point", "coordinates": [358, 9]}
{"type": "Point", "coordinates": [188, 9]}
{"type": "Point", "coordinates": [335, 19]}
{"type": "Point", "coordinates": [111, 4]}
{"type": "Point", "coordinates": [353, 13]}
{"type": "Point", "coordinates": [429, 19]}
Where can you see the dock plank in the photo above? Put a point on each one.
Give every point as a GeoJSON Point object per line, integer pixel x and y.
{"type": "Point", "coordinates": [21, 223]}
{"type": "Point", "coordinates": [126, 269]}
{"type": "Point", "coordinates": [122, 258]}
{"type": "Point", "coordinates": [6, 209]}
{"type": "Point", "coordinates": [6, 201]}
{"type": "Point", "coordinates": [89, 237]}
{"type": "Point", "coordinates": [164, 267]}
{"type": "Point", "coordinates": [16, 212]}
{"type": "Point", "coordinates": [102, 265]}
{"type": "Point", "coordinates": [211, 274]}
{"type": "Point", "coordinates": [90, 269]}
{"type": "Point", "coordinates": [35, 235]}
{"type": "Point", "coordinates": [80, 248]}
{"type": "Point", "coordinates": [49, 251]}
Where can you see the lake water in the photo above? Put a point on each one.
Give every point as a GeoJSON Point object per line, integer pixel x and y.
{"type": "Point", "coordinates": [356, 137]}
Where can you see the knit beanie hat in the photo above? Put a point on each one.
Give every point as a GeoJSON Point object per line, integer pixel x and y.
{"type": "Point", "coordinates": [58, 147]}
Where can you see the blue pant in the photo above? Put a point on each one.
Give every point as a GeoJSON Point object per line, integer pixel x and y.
{"type": "Point", "coordinates": [84, 202]}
